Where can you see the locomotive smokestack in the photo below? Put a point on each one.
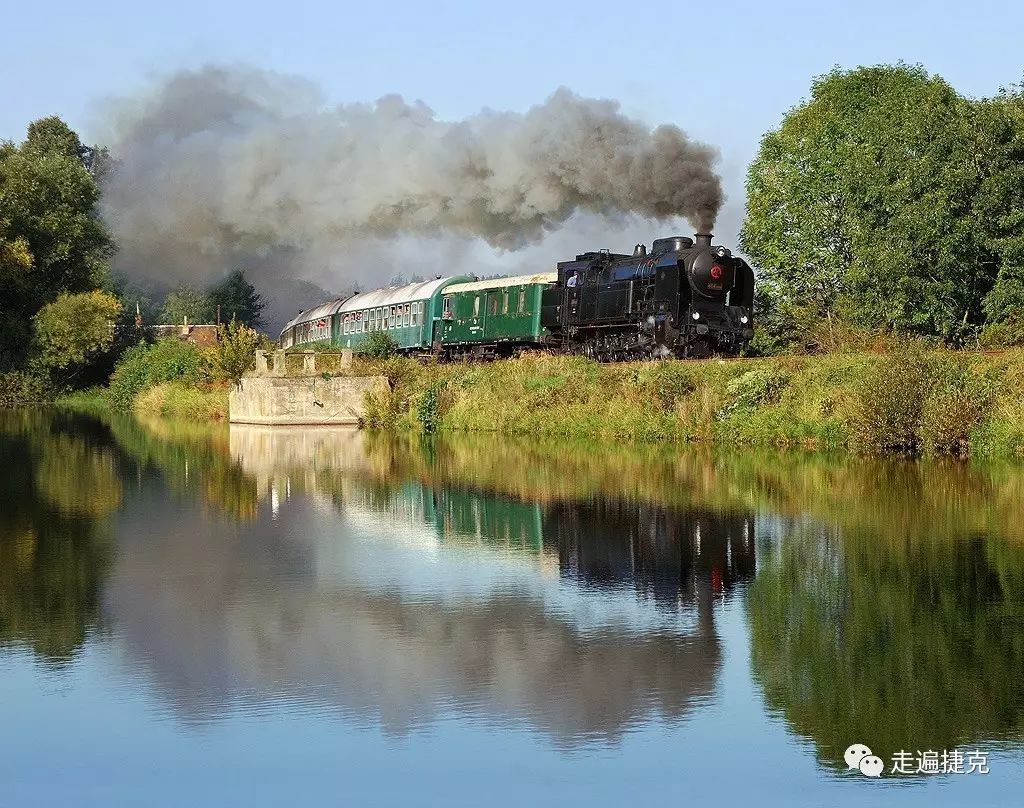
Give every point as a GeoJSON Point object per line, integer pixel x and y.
{"type": "Point", "coordinates": [703, 239]}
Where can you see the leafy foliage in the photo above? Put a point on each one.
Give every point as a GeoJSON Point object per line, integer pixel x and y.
{"type": "Point", "coordinates": [872, 203]}
{"type": "Point", "coordinates": [185, 303]}
{"type": "Point", "coordinates": [235, 352]}
{"type": "Point", "coordinates": [75, 328]}
{"type": "Point", "coordinates": [145, 365]}
{"type": "Point", "coordinates": [238, 300]}
{"type": "Point", "coordinates": [378, 345]}
{"type": "Point", "coordinates": [51, 240]}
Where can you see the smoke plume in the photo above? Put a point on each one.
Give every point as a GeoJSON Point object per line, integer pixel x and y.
{"type": "Point", "coordinates": [221, 162]}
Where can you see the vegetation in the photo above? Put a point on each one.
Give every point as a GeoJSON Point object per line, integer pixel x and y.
{"type": "Point", "coordinates": [912, 400]}
{"type": "Point", "coordinates": [144, 366]}
{"type": "Point", "coordinates": [860, 224]}
{"type": "Point", "coordinates": [237, 299]}
{"type": "Point", "coordinates": [187, 304]}
{"type": "Point", "coordinates": [51, 240]}
{"type": "Point", "coordinates": [235, 351]}
{"type": "Point", "coordinates": [378, 345]}
{"type": "Point", "coordinates": [75, 329]}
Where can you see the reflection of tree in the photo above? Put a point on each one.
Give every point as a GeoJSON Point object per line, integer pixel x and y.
{"type": "Point", "coordinates": [77, 478]}
{"type": "Point", "coordinates": [54, 490]}
{"type": "Point", "coordinates": [192, 458]}
{"type": "Point", "coordinates": [899, 644]}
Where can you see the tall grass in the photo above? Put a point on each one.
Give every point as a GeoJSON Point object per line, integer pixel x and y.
{"type": "Point", "coordinates": [909, 400]}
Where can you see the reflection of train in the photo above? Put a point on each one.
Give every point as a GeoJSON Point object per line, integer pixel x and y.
{"type": "Point", "coordinates": [684, 298]}
{"type": "Point", "coordinates": [677, 557]}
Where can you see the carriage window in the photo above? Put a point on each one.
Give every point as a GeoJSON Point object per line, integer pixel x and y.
{"type": "Point", "coordinates": [476, 306]}
{"type": "Point", "coordinates": [415, 318]}
{"type": "Point", "coordinates": [492, 303]}
{"type": "Point", "coordinates": [405, 319]}
{"type": "Point", "coordinates": [504, 302]}
{"type": "Point", "coordinates": [446, 310]}
{"type": "Point", "coordinates": [522, 301]}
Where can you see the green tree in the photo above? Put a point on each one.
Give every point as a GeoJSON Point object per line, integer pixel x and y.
{"type": "Point", "coordinates": [861, 205]}
{"type": "Point", "coordinates": [74, 329]}
{"type": "Point", "coordinates": [1000, 122]}
{"type": "Point", "coordinates": [187, 303]}
{"type": "Point", "coordinates": [238, 300]}
{"type": "Point", "coordinates": [235, 352]}
{"type": "Point", "coordinates": [51, 240]}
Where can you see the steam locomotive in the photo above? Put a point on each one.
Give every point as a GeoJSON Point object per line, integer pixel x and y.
{"type": "Point", "coordinates": [685, 298]}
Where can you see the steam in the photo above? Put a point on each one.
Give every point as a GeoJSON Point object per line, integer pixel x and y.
{"type": "Point", "coordinates": [221, 162]}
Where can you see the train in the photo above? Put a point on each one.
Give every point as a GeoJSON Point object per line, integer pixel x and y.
{"type": "Point", "coordinates": [685, 298]}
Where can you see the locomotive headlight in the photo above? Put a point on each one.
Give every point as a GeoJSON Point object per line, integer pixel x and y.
{"type": "Point", "coordinates": [744, 319]}
{"type": "Point", "coordinates": [696, 315]}
{"type": "Point", "coordinates": [721, 252]}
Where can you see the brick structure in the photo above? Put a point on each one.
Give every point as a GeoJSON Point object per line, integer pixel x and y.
{"type": "Point", "coordinates": [202, 336]}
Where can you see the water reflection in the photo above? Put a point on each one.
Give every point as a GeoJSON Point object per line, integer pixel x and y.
{"type": "Point", "coordinates": [56, 490]}
{"type": "Point", "coordinates": [901, 642]}
{"type": "Point", "coordinates": [577, 591]}
{"type": "Point", "coordinates": [397, 602]}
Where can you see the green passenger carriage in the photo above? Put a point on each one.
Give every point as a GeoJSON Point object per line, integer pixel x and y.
{"type": "Point", "coordinates": [494, 316]}
{"type": "Point", "coordinates": [410, 315]}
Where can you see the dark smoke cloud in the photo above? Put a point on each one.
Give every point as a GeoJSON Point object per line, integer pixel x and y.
{"type": "Point", "coordinates": [218, 163]}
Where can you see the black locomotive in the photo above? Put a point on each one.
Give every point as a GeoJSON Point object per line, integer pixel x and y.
{"type": "Point", "coordinates": [686, 298]}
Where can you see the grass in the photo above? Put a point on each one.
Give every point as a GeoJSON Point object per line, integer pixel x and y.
{"type": "Point", "coordinates": [909, 401]}
{"type": "Point", "coordinates": [183, 401]}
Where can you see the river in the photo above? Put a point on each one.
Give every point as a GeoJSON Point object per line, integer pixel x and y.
{"type": "Point", "coordinates": [251, 615]}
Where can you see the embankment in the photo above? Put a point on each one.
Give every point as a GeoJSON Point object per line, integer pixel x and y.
{"type": "Point", "coordinates": [932, 402]}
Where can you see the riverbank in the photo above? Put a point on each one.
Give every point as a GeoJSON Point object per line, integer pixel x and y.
{"type": "Point", "coordinates": [932, 402]}
{"type": "Point", "coordinates": [910, 400]}
{"type": "Point", "coordinates": [179, 400]}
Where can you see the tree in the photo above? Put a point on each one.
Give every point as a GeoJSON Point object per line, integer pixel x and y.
{"type": "Point", "coordinates": [187, 303]}
{"type": "Point", "coordinates": [74, 329]}
{"type": "Point", "coordinates": [237, 299]}
{"type": "Point", "coordinates": [1000, 122]}
{"type": "Point", "coordinates": [235, 352]}
{"type": "Point", "coordinates": [51, 240]}
{"type": "Point", "coordinates": [862, 204]}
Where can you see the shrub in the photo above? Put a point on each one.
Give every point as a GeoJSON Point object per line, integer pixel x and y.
{"type": "Point", "coordinates": [1007, 334]}
{"type": "Point", "coordinates": [755, 388]}
{"type": "Point", "coordinates": [888, 402]}
{"type": "Point", "coordinates": [18, 388]}
{"type": "Point", "coordinates": [75, 328]}
{"type": "Point", "coordinates": [145, 365]}
{"type": "Point", "coordinates": [378, 345]}
{"type": "Point", "coordinates": [428, 408]}
{"type": "Point", "coordinates": [235, 351]}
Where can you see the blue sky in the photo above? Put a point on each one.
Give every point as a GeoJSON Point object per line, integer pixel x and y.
{"type": "Point", "coordinates": [725, 72]}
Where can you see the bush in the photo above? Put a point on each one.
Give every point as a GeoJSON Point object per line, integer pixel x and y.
{"type": "Point", "coordinates": [184, 402]}
{"type": "Point", "coordinates": [1008, 334]}
{"type": "Point", "coordinates": [235, 351]}
{"type": "Point", "coordinates": [19, 388]}
{"type": "Point", "coordinates": [755, 388]}
{"type": "Point", "coordinates": [378, 345]}
{"type": "Point", "coordinates": [145, 365]}
{"type": "Point", "coordinates": [949, 418]}
{"type": "Point", "coordinates": [428, 408]}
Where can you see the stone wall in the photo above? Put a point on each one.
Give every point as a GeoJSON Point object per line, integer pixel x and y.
{"type": "Point", "coordinates": [305, 400]}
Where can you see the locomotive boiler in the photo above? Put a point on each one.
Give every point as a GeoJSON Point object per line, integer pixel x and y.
{"type": "Point", "coordinates": [686, 298]}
